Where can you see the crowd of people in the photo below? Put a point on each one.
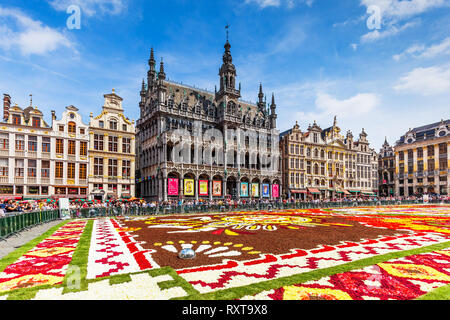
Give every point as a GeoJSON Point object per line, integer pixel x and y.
{"type": "Point", "coordinates": [16, 207]}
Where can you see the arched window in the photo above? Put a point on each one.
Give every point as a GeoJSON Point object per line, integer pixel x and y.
{"type": "Point", "coordinates": [113, 124]}
{"type": "Point", "coordinates": [72, 127]}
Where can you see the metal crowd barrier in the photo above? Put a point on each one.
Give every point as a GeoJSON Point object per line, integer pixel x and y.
{"type": "Point", "coordinates": [214, 208]}
{"type": "Point", "coordinates": [13, 224]}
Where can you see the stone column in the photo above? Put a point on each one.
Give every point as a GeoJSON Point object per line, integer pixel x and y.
{"type": "Point", "coordinates": [415, 166]}
{"type": "Point", "coordinates": [210, 190]}
{"type": "Point", "coordinates": [238, 191]}
{"type": "Point", "coordinates": [164, 188]}
{"type": "Point", "coordinates": [196, 188]}
{"type": "Point", "coordinates": [396, 178]}
{"type": "Point", "coordinates": [448, 168]}
{"type": "Point", "coordinates": [405, 181]}
{"type": "Point", "coordinates": [224, 188]}
{"type": "Point", "coordinates": [437, 185]}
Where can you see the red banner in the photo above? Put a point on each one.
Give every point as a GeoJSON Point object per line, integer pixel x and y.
{"type": "Point", "coordinates": [172, 187]}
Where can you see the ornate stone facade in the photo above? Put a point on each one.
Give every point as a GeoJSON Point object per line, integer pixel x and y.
{"type": "Point", "coordinates": [227, 166]}
{"type": "Point", "coordinates": [112, 152]}
{"type": "Point", "coordinates": [422, 158]}
{"type": "Point", "coordinates": [70, 138]}
{"type": "Point", "coordinates": [38, 160]}
{"type": "Point", "coordinates": [322, 163]}
{"type": "Point", "coordinates": [386, 170]}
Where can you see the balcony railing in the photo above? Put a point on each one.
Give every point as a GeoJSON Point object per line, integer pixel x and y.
{"type": "Point", "coordinates": [31, 180]}
{"type": "Point", "coordinates": [18, 179]}
{"type": "Point", "coordinates": [4, 179]}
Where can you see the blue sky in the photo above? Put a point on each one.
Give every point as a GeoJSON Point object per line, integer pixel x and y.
{"type": "Point", "coordinates": [381, 65]}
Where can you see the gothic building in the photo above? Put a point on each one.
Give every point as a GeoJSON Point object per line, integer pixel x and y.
{"type": "Point", "coordinates": [229, 148]}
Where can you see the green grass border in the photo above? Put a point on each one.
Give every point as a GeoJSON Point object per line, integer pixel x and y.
{"type": "Point", "coordinates": [441, 293]}
{"type": "Point", "coordinates": [252, 289]}
{"type": "Point", "coordinates": [80, 256]}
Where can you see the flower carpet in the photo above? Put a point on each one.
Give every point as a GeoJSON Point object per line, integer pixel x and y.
{"type": "Point", "coordinates": [385, 253]}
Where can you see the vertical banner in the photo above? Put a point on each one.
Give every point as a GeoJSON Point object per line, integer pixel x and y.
{"type": "Point", "coordinates": [255, 190]}
{"type": "Point", "coordinates": [265, 190]}
{"type": "Point", "coordinates": [172, 187]}
{"type": "Point", "coordinates": [275, 191]}
{"type": "Point", "coordinates": [217, 188]}
{"type": "Point", "coordinates": [203, 187]}
{"type": "Point", "coordinates": [244, 189]}
{"type": "Point", "coordinates": [64, 208]}
{"type": "Point", "coordinates": [189, 189]}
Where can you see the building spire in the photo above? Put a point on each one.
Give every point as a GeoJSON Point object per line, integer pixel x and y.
{"type": "Point", "coordinates": [161, 74]}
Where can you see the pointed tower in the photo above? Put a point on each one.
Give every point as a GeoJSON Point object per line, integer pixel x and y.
{"type": "Point", "coordinates": [161, 73]}
{"type": "Point", "coordinates": [142, 102]}
{"type": "Point", "coordinates": [151, 74]}
{"type": "Point", "coordinates": [227, 74]}
{"type": "Point", "coordinates": [273, 114]}
{"type": "Point", "coordinates": [162, 88]}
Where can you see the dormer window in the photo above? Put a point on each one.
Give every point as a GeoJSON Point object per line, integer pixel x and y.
{"type": "Point", "coordinates": [113, 124]}
{"type": "Point", "coordinates": [61, 128]}
{"type": "Point", "coordinates": [101, 124]}
{"type": "Point", "coordinates": [72, 127]}
{"type": "Point", "coordinates": [16, 119]}
{"type": "Point", "coordinates": [36, 122]}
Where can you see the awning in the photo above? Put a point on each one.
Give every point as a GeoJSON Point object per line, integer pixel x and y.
{"type": "Point", "coordinates": [339, 191]}
{"type": "Point", "coordinates": [354, 191]}
{"type": "Point", "coordinates": [313, 191]}
{"type": "Point", "coordinates": [11, 198]}
{"type": "Point", "coordinates": [299, 191]}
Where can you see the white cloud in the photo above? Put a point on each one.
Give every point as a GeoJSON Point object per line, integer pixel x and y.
{"type": "Point", "coordinates": [421, 51]}
{"type": "Point", "coordinates": [401, 9]}
{"type": "Point", "coordinates": [426, 81]}
{"type": "Point", "coordinates": [28, 35]}
{"type": "Point", "coordinates": [91, 7]}
{"type": "Point", "coordinates": [358, 105]}
{"type": "Point", "coordinates": [388, 32]}
{"type": "Point", "coordinates": [279, 3]}
{"type": "Point", "coordinates": [328, 106]}
{"type": "Point", "coordinates": [393, 14]}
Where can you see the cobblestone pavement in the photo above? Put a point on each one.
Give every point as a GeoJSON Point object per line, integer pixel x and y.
{"type": "Point", "coordinates": [16, 241]}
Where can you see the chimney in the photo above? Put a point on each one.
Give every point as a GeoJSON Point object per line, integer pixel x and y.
{"type": "Point", "coordinates": [6, 105]}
